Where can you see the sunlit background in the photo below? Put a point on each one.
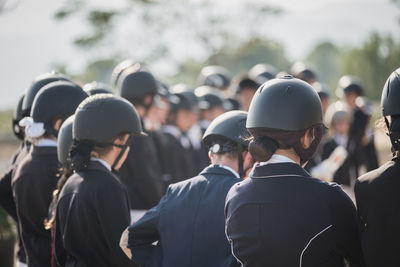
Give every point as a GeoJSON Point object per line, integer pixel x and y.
{"type": "Point", "coordinates": [85, 39]}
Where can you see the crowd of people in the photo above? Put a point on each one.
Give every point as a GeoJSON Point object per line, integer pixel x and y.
{"type": "Point", "coordinates": [255, 170]}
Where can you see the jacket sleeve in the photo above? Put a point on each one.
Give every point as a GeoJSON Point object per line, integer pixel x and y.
{"type": "Point", "coordinates": [6, 196]}
{"type": "Point", "coordinates": [114, 217]}
{"type": "Point", "coordinates": [144, 233]}
{"type": "Point", "coordinates": [345, 222]}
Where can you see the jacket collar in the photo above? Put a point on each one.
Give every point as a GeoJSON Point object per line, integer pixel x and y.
{"type": "Point", "coordinates": [43, 150]}
{"type": "Point", "coordinates": [218, 170]}
{"type": "Point", "coordinates": [278, 170]}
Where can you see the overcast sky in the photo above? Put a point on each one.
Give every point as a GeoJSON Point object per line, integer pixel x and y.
{"type": "Point", "coordinates": [30, 40]}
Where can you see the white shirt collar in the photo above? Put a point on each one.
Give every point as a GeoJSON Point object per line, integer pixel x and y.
{"type": "Point", "coordinates": [105, 163]}
{"type": "Point", "coordinates": [277, 159]}
{"type": "Point", "coordinates": [229, 169]}
{"type": "Point", "coordinates": [47, 142]}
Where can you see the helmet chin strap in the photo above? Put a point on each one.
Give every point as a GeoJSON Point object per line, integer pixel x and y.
{"type": "Point", "coordinates": [121, 153]}
{"type": "Point", "coordinates": [240, 162]}
{"type": "Point", "coordinates": [394, 137]}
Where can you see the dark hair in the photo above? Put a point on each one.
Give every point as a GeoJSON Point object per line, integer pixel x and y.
{"type": "Point", "coordinates": [64, 173]}
{"type": "Point", "coordinates": [80, 155]}
{"type": "Point", "coordinates": [267, 141]}
{"type": "Point", "coordinates": [262, 148]}
{"type": "Point", "coordinates": [247, 83]}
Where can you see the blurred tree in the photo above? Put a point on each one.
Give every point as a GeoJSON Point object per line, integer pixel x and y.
{"type": "Point", "coordinates": [372, 62]}
{"type": "Point", "coordinates": [325, 58]}
{"type": "Point", "coordinates": [152, 30]}
{"type": "Point", "coordinates": [8, 5]}
{"type": "Point", "coordinates": [237, 59]}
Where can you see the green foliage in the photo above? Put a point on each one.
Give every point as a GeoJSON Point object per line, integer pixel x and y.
{"type": "Point", "coordinates": [7, 226]}
{"type": "Point", "coordinates": [325, 58]}
{"type": "Point", "coordinates": [207, 24]}
{"type": "Point", "coordinates": [372, 62]}
{"type": "Point", "coordinates": [236, 59]}
{"type": "Point", "coordinates": [6, 132]}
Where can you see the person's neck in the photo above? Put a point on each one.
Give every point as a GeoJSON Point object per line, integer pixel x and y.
{"type": "Point", "coordinates": [233, 164]}
{"type": "Point", "coordinates": [288, 153]}
{"type": "Point", "coordinates": [141, 111]}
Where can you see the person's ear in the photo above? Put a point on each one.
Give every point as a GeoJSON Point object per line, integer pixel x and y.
{"type": "Point", "coordinates": [147, 100]}
{"type": "Point", "coordinates": [307, 138]}
{"type": "Point", "coordinates": [209, 156]}
{"type": "Point", "coordinates": [57, 124]}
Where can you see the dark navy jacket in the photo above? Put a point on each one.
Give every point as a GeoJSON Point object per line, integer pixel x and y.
{"type": "Point", "coordinates": [188, 224]}
{"type": "Point", "coordinates": [6, 194]}
{"type": "Point", "coordinates": [33, 184]}
{"type": "Point", "coordinates": [378, 203]}
{"type": "Point", "coordinates": [92, 213]}
{"type": "Point", "coordinates": [281, 216]}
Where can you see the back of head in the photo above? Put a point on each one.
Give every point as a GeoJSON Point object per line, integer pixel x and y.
{"type": "Point", "coordinates": [230, 126]}
{"type": "Point", "coordinates": [183, 100]}
{"type": "Point", "coordinates": [247, 83]}
{"type": "Point", "coordinates": [17, 116]}
{"type": "Point", "coordinates": [56, 100]}
{"type": "Point", "coordinates": [135, 83]}
{"type": "Point", "coordinates": [39, 82]}
{"type": "Point", "coordinates": [303, 72]}
{"type": "Point", "coordinates": [64, 141]}
{"type": "Point", "coordinates": [281, 111]}
{"type": "Point", "coordinates": [209, 97]}
{"type": "Point", "coordinates": [349, 84]}
{"type": "Point", "coordinates": [337, 112]}
{"type": "Point", "coordinates": [118, 70]}
{"type": "Point", "coordinates": [94, 88]}
{"type": "Point", "coordinates": [228, 134]}
{"type": "Point", "coordinates": [98, 120]}
{"type": "Point", "coordinates": [322, 89]}
{"type": "Point", "coordinates": [215, 76]}
{"type": "Point", "coordinates": [262, 73]}
{"type": "Point", "coordinates": [102, 117]}
{"type": "Point", "coordinates": [390, 107]}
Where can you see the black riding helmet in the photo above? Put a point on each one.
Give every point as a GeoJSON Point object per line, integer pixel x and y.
{"type": "Point", "coordinates": [56, 100]}
{"type": "Point", "coordinates": [94, 88]}
{"type": "Point", "coordinates": [102, 117]}
{"type": "Point", "coordinates": [262, 73]}
{"type": "Point", "coordinates": [215, 76]}
{"type": "Point", "coordinates": [390, 107]}
{"type": "Point", "coordinates": [64, 141]}
{"type": "Point", "coordinates": [303, 72]}
{"type": "Point", "coordinates": [36, 85]}
{"type": "Point", "coordinates": [283, 109]}
{"type": "Point", "coordinates": [136, 82]}
{"type": "Point", "coordinates": [349, 84]}
{"type": "Point", "coordinates": [117, 71]}
{"type": "Point", "coordinates": [209, 98]}
{"type": "Point", "coordinates": [17, 116]}
{"type": "Point", "coordinates": [184, 100]}
{"type": "Point", "coordinates": [227, 133]}
{"type": "Point", "coordinates": [285, 103]}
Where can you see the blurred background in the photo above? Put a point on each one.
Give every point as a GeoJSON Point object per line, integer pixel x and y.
{"type": "Point", "coordinates": [85, 39]}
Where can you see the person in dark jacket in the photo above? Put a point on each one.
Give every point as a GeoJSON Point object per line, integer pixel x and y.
{"type": "Point", "coordinates": [211, 105]}
{"type": "Point", "coordinates": [188, 223]}
{"type": "Point", "coordinates": [23, 110]}
{"type": "Point", "coordinates": [35, 177]}
{"type": "Point", "coordinates": [280, 215]}
{"type": "Point", "coordinates": [180, 156]}
{"type": "Point", "coordinates": [377, 193]}
{"type": "Point", "coordinates": [141, 172]}
{"type": "Point", "coordinates": [6, 196]}
{"type": "Point", "coordinates": [93, 206]}
{"type": "Point", "coordinates": [360, 145]}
